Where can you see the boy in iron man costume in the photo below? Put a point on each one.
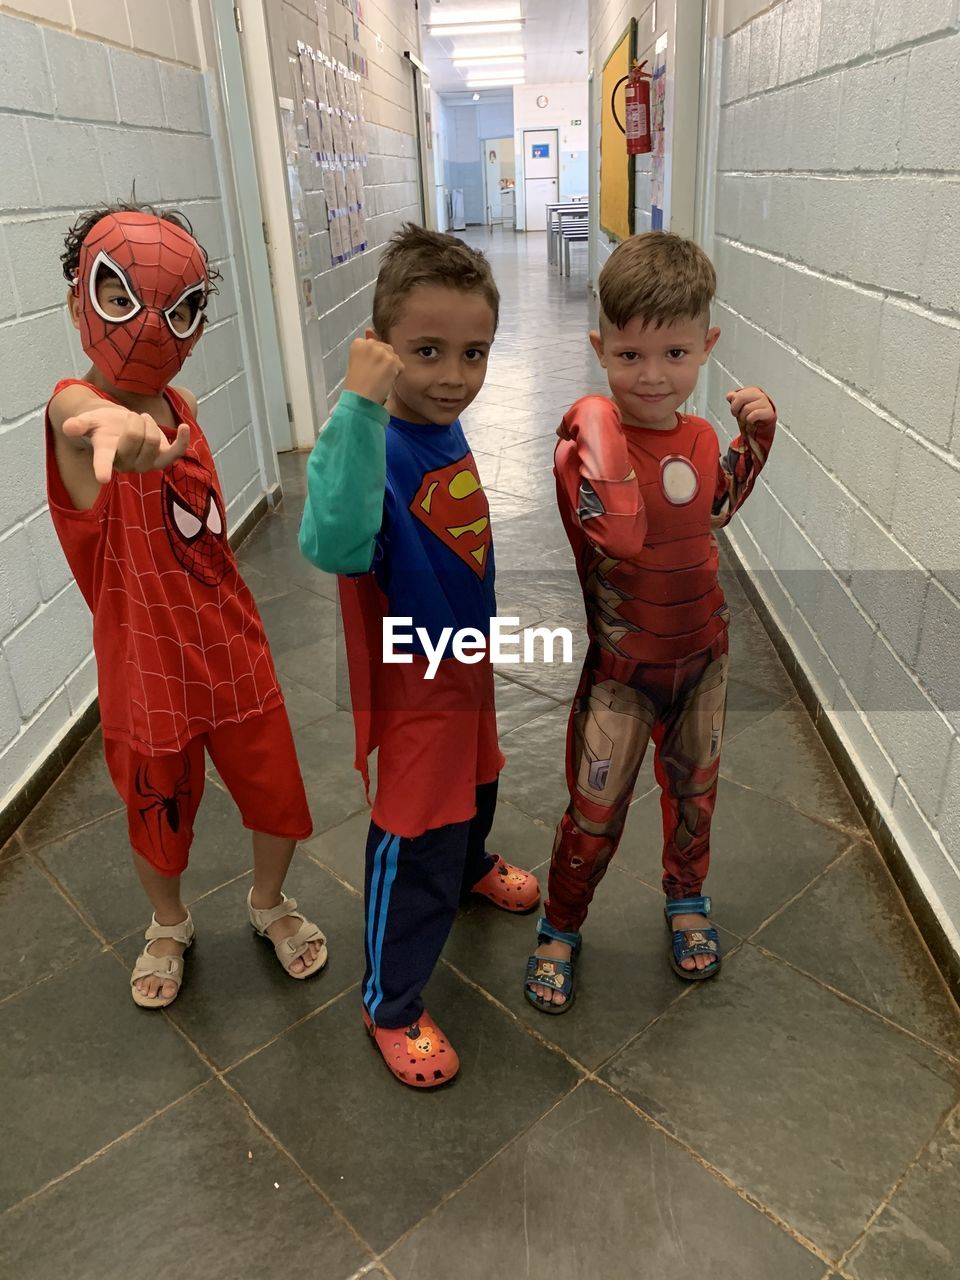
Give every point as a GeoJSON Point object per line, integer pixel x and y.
{"type": "Point", "coordinates": [183, 666]}
{"type": "Point", "coordinates": [641, 487]}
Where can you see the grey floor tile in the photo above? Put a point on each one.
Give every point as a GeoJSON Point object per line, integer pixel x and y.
{"type": "Point", "coordinates": [320, 665]}
{"type": "Point", "coordinates": [852, 930]}
{"type": "Point", "coordinates": [235, 994]}
{"type": "Point", "coordinates": [753, 659]}
{"type": "Point", "coordinates": [343, 848]}
{"type": "Point", "coordinates": [200, 1181]}
{"type": "Point", "coordinates": [289, 618]}
{"type": "Point", "coordinates": [517, 705]}
{"type": "Point", "coordinates": [82, 793]}
{"type": "Point", "coordinates": [534, 778]}
{"type": "Point", "coordinates": [623, 979]}
{"type": "Point", "coordinates": [95, 865]}
{"type": "Point", "coordinates": [917, 1236]}
{"type": "Point", "coordinates": [305, 706]}
{"type": "Point", "coordinates": [783, 757]}
{"type": "Point", "coordinates": [762, 853]}
{"type": "Point", "coordinates": [385, 1154]}
{"type": "Point", "coordinates": [285, 564]}
{"type": "Point", "coordinates": [81, 1065]}
{"type": "Point", "coordinates": [623, 1201]}
{"type": "Point", "coordinates": [39, 931]}
{"type": "Point", "coordinates": [12, 849]}
{"type": "Point", "coordinates": [334, 788]}
{"type": "Point", "coordinates": [797, 1080]}
{"type": "Point", "coordinates": [748, 704]}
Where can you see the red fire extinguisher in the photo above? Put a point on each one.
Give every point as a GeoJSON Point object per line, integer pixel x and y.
{"type": "Point", "coordinates": [637, 98]}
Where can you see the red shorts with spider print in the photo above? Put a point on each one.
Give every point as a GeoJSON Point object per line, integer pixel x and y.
{"type": "Point", "coordinates": [257, 762]}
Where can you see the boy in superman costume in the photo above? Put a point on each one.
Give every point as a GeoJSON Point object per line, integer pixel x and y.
{"type": "Point", "coordinates": [641, 487]}
{"type": "Point", "coordinates": [183, 666]}
{"type": "Point", "coordinates": [395, 506]}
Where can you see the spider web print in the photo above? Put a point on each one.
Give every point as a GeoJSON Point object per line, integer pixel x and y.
{"type": "Point", "coordinates": [190, 656]}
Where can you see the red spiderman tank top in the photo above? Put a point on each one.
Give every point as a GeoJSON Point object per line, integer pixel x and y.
{"type": "Point", "coordinates": [179, 644]}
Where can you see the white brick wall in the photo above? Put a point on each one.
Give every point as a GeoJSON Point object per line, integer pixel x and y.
{"type": "Point", "coordinates": [344, 294]}
{"type": "Point", "coordinates": [837, 226]}
{"type": "Point", "coordinates": [79, 121]}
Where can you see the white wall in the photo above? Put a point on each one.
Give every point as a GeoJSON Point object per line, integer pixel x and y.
{"type": "Point", "coordinates": [344, 294]}
{"type": "Point", "coordinates": [837, 234]}
{"type": "Point", "coordinates": [79, 120]}
{"type": "Point", "coordinates": [565, 104]}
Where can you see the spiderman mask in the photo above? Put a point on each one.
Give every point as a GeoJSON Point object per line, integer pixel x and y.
{"type": "Point", "coordinates": [159, 275]}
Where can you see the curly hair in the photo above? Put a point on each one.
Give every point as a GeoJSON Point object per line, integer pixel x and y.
{"type": "Point", "coordinates": [416, 256]}
{"type": "Point", "coordinates": [87, 221]}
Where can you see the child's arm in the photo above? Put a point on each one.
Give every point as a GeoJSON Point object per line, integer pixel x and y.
{"type": "Point", "coordinates": [347, 471]}
{"type": "Point", "coordinates": [737, 471]}
{"type": "Point", "coordinates": [604, 495]}
{"type": "Point", "coordinates": [94, 437]}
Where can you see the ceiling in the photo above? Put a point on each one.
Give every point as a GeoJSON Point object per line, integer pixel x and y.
{"type": "Point", "coordinates": [552, 32]}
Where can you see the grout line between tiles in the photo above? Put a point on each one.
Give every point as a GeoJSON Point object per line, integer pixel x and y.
{"type": "Point", "coordinates": [591, 1075]}
{"type": "Point", "coordinates": [951, 1059]}
{"type": "Point", "coordinates": [95, 1155]}
{"type": "Point", "coordinates": [884, 1203]}
{"type": "Point", "coordinates": [282, 1150]}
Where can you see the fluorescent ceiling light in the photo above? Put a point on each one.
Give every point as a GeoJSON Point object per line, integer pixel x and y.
{"type": "Point", "coordinates": [477, 29]}
{"type": "Point", "coordinates": [494, 84]}
{"type": "Point", "coordinates": [477, 13]}
{"type": "Point", "coordinates": [478, 55]}
{"type": "Point", "coordinates": [488, 62]}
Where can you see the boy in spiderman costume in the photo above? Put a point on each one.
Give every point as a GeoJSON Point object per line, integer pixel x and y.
{"type": "Point", "coordinates": [396, 507]}
{"type": "Point", "coordinates": [183, 665]}
{"type": "Point", "coordinates": [641, 487]}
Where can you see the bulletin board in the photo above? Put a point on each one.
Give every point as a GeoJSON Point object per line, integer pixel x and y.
{"type": "Point", "coordinates": [616, 167]}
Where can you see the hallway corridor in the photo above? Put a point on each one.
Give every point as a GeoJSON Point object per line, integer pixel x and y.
{"type": "Point", "coordinates": [797, 1119]}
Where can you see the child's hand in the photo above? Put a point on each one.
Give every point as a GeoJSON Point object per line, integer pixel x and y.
{"type": "Point", "coordinates": [373, 369]}
{"type": "Point", "coordinates": [751, 407]}
{"type": "Point", "coordinates": [125, 441]}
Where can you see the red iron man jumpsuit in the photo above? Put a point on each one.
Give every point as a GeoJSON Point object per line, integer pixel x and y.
{"type": "Point", "coordinates": [639, 507]}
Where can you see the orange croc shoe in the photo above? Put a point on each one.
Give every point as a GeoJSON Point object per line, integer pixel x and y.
{"type": "Point", "coordinates": [419, 1056]}
{"type": "Point", "coordinates": [509, 888]}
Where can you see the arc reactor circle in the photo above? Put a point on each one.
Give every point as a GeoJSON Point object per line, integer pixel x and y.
{"type": "Point", "coordinates": [679, 480]}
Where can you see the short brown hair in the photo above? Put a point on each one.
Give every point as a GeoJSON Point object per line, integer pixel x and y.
{"type": "Point", "coordinates": [416, 256]}
{"type": "Point", "coordinates": [658, 276]}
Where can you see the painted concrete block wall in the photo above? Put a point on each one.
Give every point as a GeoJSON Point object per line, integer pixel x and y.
{"type": "Point", "coordinates": [837, 223]}
{"type": "Point", "coordinates": [79, 121]}
{"type": "Point", "coordinates": [344, 294]}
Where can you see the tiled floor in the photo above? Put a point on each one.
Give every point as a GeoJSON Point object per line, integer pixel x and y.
{"type": "Point", "coordinates": [798, 1118]}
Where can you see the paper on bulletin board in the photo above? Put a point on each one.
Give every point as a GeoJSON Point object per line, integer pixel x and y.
{"type": "Point", "coordinates": [309, 303]}
{"type": "Point", "coordinates": [338, 250]}
{"type": "Point", "coordinates": [658, 134]}
{"type": "Point", "coordinates": [302, 236]}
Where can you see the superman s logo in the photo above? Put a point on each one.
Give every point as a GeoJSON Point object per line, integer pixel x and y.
{"type": "Point", "coordinates": [453, 506]}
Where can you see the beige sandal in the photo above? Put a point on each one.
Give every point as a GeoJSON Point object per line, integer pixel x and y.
{"type": "Point", "coordinates": [292, 948]}
{"type": "Point", "coordinates": [166, 968]}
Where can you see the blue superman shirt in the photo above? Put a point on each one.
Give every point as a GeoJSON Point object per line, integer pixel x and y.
{"type": "Point", "coordinates": [434, 553]}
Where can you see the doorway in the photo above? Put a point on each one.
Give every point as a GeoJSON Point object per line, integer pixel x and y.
{"type": "Point", "coordinates": [499, 175]}
{"type": "Point", "coordinates": [541, 174]}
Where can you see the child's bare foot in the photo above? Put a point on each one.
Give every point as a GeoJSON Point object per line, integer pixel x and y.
{"type": "Point", "coordinates": [289, 931]}
{"type": "Point", "coordinates": [550, 951]}
{"type": "Point", "coordinates": [692, 926]}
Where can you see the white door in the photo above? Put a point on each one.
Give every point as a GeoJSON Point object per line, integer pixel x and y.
{"type": "Point", "coordinates": [541, 173]}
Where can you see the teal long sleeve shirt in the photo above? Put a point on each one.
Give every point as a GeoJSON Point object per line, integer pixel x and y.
{"type": "Point", "coordinates": [346, 480]}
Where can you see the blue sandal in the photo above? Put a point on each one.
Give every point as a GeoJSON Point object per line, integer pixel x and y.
{"type": "Point", "coordinates": [692, 942]}
{"type": "Point", "coordinates": [558, 974]}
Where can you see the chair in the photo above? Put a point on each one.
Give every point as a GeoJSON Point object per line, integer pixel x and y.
{"type": "Point", "coordinates": [577, 233]}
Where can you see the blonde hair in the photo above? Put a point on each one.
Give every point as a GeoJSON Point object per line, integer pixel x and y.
{"type": "Point", "coordinates": [415, 257]}
{"type": "Point", "coordinates": [660, 278]}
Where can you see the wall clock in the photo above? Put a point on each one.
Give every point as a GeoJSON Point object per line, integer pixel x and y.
{"type": "Point", "coordinates": [543, 100]}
